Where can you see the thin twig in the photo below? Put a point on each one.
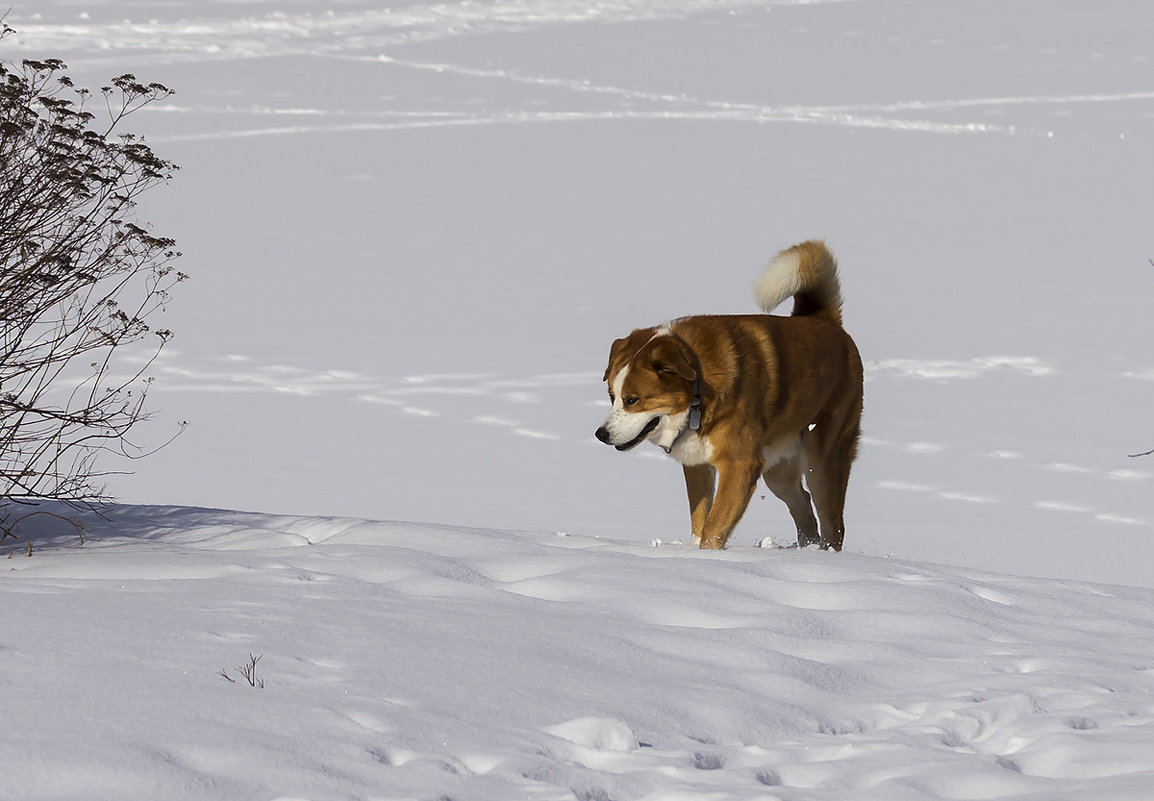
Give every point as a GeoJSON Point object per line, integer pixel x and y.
{"type": "Point", "coordinates": [248, 671]}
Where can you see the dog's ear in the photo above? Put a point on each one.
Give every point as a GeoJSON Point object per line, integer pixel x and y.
{"type": "Point", "coordinates": [625, 349]}
{"type": "Point", "coordinates": [671, 356]}
{"type": "Point", "coordinates": [614, 356]}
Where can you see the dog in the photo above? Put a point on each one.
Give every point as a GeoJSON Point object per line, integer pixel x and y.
{"type": "Point", "coordinates": [735, 397]}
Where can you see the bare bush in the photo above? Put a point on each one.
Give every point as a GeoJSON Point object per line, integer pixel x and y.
{"type": "Point", "coordinates": [80, 278]}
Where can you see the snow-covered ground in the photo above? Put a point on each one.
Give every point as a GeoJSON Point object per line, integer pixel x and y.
{"type": "Point", "coordinates": [413, 661]}
{"type": "Point", "coordinates": [415, 228]}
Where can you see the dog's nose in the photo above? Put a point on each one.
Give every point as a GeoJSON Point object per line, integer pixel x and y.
{"type": "Point", "coordinates": [602, 434]}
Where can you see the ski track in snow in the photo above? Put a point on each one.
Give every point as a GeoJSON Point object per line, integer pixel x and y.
{"type": "Point", "coordinates": [799, 674]}
{"type": "Point", "coordinates": [374, 36]}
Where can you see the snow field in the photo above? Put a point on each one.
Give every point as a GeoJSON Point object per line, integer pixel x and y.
{"type": "Point", "coordinates": [482, 196]}
{"type": "Point", "coordinates": [416, 661]}
{"type": "Point", "coordinates": [414, 230]}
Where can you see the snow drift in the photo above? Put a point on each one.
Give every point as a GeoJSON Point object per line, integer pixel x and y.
{"type": "Point", "coordinates": [405, 660]}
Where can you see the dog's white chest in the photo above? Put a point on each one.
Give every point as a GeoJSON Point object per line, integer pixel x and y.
{"type": "Point", "coordinates": [692, 449]}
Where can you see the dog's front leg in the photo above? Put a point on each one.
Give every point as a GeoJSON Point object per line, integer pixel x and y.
{"type": "Point", "coordinates": [699, 484]}
{"type": "Point", "coordinates": [736, 481]}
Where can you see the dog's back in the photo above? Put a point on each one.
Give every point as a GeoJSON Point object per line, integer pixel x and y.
{"type": "Point", "coordinates": [782, 367]}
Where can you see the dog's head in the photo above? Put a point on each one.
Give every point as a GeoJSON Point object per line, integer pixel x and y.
{"type": "Point", "coordinates": [652, 378]}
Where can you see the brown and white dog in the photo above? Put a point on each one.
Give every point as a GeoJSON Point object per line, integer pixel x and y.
{"type": "Point", "coordinates": [735, 397]}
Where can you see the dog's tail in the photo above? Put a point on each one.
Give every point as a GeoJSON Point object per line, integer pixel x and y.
{"type": "Point", "coordinates": [808, 274]}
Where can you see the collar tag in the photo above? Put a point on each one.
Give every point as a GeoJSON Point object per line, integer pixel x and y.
{"type": "Point", "coordinates": [695, 406]}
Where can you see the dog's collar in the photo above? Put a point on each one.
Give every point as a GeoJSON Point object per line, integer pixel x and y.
{"type": "Point", "coordinates": [695, 405]}
{"type": "Point", "coordinates": [693, 419]}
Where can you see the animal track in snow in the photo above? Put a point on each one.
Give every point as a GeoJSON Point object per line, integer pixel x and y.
{"type": "Point", "coordinates": [978, 494]}
{"type": "Point", "coordinates": [485, 399]}
{"type": "Point", "coordinates": [379, 38]}
{"type": "Point", "coordinates": [956, 368]}
{"type": "Point", "coordinates": [561, 408]}
{"type": "Point", "coordinates": [629, 104]}
{"type": "Point", "coordinates": [1062, 506]}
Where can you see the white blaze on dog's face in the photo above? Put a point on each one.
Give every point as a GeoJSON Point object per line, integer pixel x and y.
{"type": "Point", "coordinates": [650, 385]}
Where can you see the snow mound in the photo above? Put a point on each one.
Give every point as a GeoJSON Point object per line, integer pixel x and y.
{"type": "Point", "coordinates": [400, 660]}
{"type": "Point", "coordinates": [602, 734]}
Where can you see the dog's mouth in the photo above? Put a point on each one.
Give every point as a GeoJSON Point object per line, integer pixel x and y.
{"type": "Point", "coordinates": [645, 432]}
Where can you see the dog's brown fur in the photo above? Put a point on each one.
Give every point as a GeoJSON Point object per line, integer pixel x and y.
{"type": "Point", "coordinates": [780, 397]}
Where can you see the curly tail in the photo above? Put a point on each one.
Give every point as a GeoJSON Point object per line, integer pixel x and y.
{"type": "Point", "coordinates": [808, 274]}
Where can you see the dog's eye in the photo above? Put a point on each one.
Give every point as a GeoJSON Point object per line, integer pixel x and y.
{"type": "Point", "coordinates": [630, 401]}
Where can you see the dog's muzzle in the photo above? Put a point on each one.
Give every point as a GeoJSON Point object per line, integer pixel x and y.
{"type": "Point", "coordinates": [603, 434]}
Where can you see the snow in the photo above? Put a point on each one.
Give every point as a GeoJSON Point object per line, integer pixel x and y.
{"type": "Point", "coordinates": [413, 231]}
{"type": "Point", "coordinates": [404, 660]}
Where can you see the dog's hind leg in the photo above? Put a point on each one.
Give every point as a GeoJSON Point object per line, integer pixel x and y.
{"type": "Point", "coordinates": [784, 481]}
{"type": "Point", "coordinates": [699, 484]}
{"type": "Point", "coordinates": [828, 478]}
